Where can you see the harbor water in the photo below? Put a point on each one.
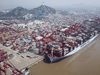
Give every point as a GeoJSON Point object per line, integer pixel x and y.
{"type": "Point", "coordinates": [84, 62]}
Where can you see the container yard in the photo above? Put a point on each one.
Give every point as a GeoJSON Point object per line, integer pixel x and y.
{"type": "Point", "coordinates": [27, 42]}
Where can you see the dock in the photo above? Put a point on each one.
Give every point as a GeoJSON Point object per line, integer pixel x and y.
{"type": "Point", "coordinates": [22, 62]}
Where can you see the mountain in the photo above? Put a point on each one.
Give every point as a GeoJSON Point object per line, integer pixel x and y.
{"type": "Point", "coordinates": [37, 13]}
{"type": "Point", "coordinates": [1, 13]}
{"type": "Point", "coordinates": [63, 12]}
{"type": "Point", "coordinates": [17, 12]}
{"type": "Point", "coordinates": [42, 10]}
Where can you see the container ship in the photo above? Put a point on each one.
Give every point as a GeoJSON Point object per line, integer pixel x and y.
{"type": "Point", "coordinates": [58, 54]}
{"type": "Point", "coordinates": [65, 42]}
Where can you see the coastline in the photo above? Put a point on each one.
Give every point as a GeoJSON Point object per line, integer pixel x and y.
{"type": "Point", "coordinates": [22, 63]}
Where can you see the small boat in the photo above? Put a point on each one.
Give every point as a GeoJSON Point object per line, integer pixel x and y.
{"type": "Point", "coordinates": [26, 71]}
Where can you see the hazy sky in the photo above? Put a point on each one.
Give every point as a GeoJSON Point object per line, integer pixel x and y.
{"type": "Point", "coordinates": [53, 3]}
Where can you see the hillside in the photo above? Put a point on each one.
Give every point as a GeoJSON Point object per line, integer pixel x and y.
{"type": "Point", "coordinates": [42, 10]}
{"type": "Point", "coordinates": [16, 12]}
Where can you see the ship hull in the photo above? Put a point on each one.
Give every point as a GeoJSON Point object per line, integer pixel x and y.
{"type": "Point", "coordinates": [72, 52]}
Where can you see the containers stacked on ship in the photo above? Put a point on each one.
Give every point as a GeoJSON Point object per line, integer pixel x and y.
{"type": "Point", "coordinates": [69, 39]}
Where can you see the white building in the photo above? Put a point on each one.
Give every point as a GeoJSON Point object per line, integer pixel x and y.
{"type": "Point", "coordinates": [22, 25]}
{"type": "Point", "coordinates": [38, 22]}
{"type": "Point", "coordinates": [30, 23]}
